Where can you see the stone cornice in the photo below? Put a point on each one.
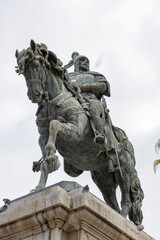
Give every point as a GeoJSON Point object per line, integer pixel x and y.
{"type": "Point", "coordinates": [55, 211]}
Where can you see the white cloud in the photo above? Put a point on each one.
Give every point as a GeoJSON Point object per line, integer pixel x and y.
{"type": "Point", "coordinates": [13, 113]}
{"type": "Point", "coordinates": [143, 118]}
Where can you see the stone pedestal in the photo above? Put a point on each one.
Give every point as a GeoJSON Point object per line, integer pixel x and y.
{"type": "Point", "coordinates": [56, 214]}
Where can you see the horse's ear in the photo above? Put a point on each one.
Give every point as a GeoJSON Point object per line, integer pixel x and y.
{"type": "Point", "coordinates": [16, 53]}
{"type": "Point", "coordinates": [52, 57]}
{"type": "Point", "coordinates": [33, 45]}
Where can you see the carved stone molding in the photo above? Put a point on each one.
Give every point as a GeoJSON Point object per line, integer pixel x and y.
{"type": "Point", "coordinates": [57, 214]}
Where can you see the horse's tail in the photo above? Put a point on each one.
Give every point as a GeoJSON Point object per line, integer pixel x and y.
{"type": "Point", "coordinates": [136, 195]}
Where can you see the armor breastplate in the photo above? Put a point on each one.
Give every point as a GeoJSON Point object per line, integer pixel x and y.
{"type": "Point", "coordinates": [82, 79]}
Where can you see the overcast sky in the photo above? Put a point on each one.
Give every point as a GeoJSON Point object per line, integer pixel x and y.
{"type": "Point", "coordinates": [122, 40]}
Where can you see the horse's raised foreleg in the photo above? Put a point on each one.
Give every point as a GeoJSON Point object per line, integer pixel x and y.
{"type": "Point", "coordinates": [66, 130]}
{"type": "Point", "coordinates": [54, 127]}
{"type": "Point", "coordinates": [48, 165]}
{"type": "Point", "coordinates": [51, 161]}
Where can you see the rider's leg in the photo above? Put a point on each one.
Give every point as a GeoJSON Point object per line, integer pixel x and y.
{"type": "Point", "coordinates": [98, 120]}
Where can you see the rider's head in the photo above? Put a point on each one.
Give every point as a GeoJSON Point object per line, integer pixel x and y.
{"type": "Point", "coordinates": [81, 64]}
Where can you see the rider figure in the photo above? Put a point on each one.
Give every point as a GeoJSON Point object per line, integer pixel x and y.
{"type": "Point", "coordinates": [93, 86]}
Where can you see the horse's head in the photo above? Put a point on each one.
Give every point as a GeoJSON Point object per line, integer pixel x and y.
{"type": "Point", "coordinates": [34, 64]}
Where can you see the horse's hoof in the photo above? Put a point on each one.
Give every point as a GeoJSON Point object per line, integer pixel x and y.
{"type": "Point", "coordinates": [52, 163]}
{"type": "Point", "coordinates": [140, 227]}
{"type": "Point", "coordinates": [124, 213]}
{"type": "Point", "coordinates": [51, 158]}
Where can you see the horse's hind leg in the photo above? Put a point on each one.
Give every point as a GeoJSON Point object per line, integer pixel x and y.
{"type": "Point", "coordinates": [124, 183]}
{"type": "Point", "coordinates": [106, 183]}
{"type": "Point", "coordinates": [137, 195]}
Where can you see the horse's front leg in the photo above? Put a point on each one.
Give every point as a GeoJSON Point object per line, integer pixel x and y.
{"type": "Point", "coordinates": [43, 176]}
{"type": "Point", "coordinates": [69, 130]}
{"type": "Point", "coordinates": [54, 127]}
{"type": "Point", "coordinates": [50, 161]}
{"type": "Point", "coordinates": [44, 134]}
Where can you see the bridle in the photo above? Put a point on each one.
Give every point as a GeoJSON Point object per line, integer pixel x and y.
{"type": "Point", "coordinates": [30, 56]}
{"type": "Point", "coordinates": [42, 82]}
{"type": "Point", "coordinates": [32, 82]}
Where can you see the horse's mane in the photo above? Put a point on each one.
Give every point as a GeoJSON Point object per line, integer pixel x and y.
{"type": "Point", "coordinates": [50, 59]}
{"type": "Point", "coordinates": [55, 64]}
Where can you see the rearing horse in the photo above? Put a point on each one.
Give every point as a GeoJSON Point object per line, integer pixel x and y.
{"type": "Point", "coordinates": [64, 126]}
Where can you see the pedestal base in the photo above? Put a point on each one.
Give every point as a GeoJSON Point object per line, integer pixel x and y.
{"type": "Point", "coordinates": [56, 214]}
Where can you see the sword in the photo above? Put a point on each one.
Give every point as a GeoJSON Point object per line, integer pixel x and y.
{"type": "Point", "coordinates": [113, 137]}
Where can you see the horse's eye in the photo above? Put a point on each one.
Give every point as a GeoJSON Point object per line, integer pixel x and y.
{"type": "Point", "coordinates": [36, 93]}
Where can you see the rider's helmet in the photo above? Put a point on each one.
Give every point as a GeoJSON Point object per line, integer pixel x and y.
{"type": "Point", "coordinates": [76, 62]}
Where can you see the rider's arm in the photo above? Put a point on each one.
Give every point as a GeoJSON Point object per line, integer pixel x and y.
{"type": "Point", "coordinates": [97, 88]}
{"type": "Point", "coordinates": [108, 89]}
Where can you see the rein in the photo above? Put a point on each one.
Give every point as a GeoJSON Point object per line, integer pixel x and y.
{"type": "Point", "coordinates": [62, 97]}
{"type": "Point", "coordinates": [58, 101]}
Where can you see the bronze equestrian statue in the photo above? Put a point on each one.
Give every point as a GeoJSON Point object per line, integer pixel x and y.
{"type": "Point", "coordinates": [67, 104]}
